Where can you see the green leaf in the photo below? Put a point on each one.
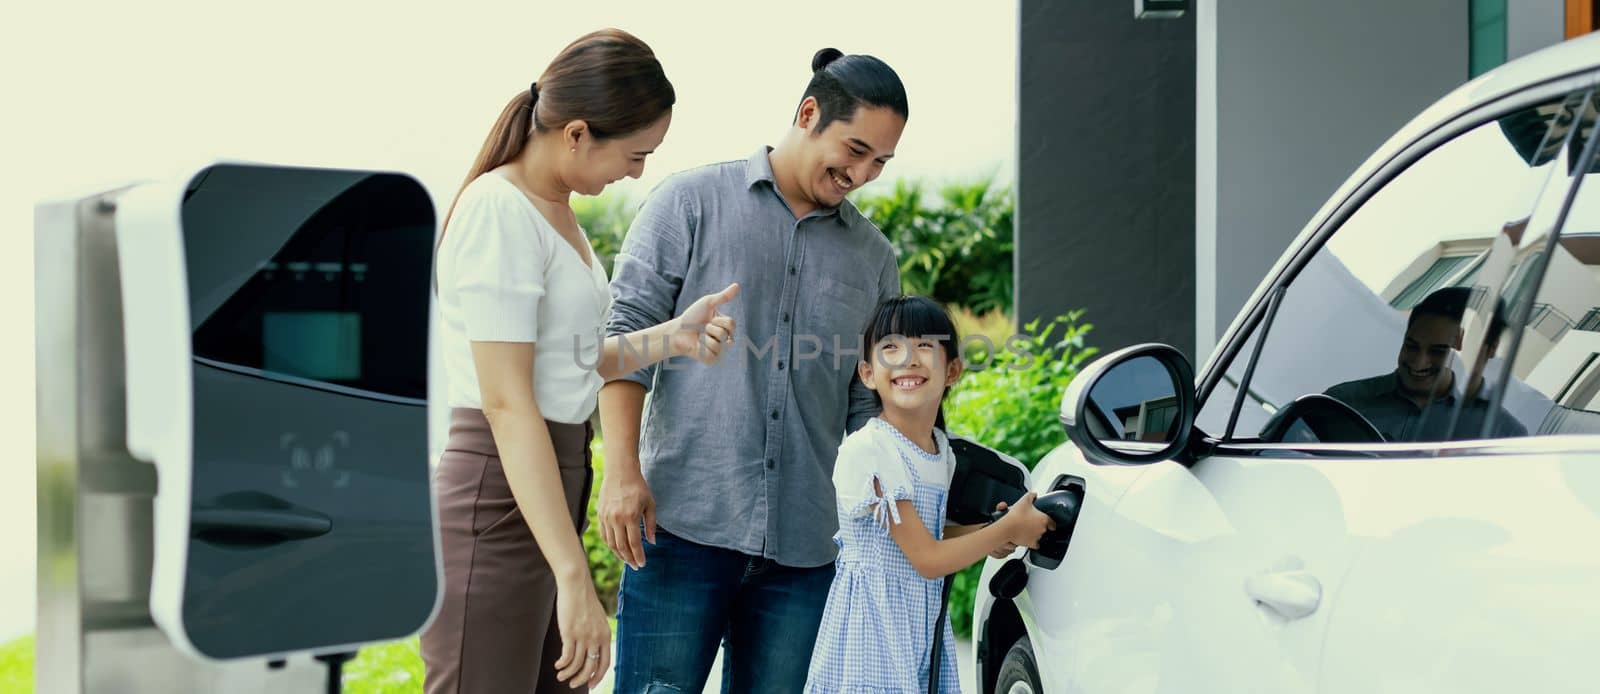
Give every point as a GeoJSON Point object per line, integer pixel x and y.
{"type": "Point", "coordinates": [16, 665]}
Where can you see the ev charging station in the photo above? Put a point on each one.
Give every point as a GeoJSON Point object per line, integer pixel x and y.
{"type": "Point", "coordinates": [232, 429]}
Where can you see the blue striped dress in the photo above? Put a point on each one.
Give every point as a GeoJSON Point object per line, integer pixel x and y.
{"type": "Point", "coordinates": [877, 628]}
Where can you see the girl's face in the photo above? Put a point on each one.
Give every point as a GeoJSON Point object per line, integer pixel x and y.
{"type": "Point", "coordinates": [910, 374]}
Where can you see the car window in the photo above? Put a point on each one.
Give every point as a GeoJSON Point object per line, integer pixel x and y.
{"type": "Point", "coordinates": [1213, 417]}
{"type": "Point", "coordinates": [1369, 333]}
{"type": "Point", "coordinates": [1553, 297]}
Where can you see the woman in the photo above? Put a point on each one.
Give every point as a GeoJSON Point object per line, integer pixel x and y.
{"type": "Point", "coordinates": [523, 301]}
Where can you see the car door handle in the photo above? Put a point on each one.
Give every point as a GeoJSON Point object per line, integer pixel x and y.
{"type": "Point", "coordinates": [1287, 594]}
{"type": "Point", "coordinates": [255, 527]}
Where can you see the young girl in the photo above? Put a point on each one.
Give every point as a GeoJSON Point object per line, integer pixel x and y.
{"type": "Point", "coordinates": [892, 478]}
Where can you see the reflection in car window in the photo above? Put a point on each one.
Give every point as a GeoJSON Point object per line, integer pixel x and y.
{"type": "Point", "coordinates": [1378, 317]}
{"type": "Point", "coordinates": [1555, 374]}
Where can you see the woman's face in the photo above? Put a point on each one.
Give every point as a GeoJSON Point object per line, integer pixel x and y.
{"type": "Point", "coordinates": [599, 163]}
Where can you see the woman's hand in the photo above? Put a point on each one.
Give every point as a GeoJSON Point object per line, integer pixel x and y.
{"type": "Point", "coordinates": [585, 634]}
{"type": "Point", "coordinates": [1026, 523]}
{"type": "Point", "coordinates": [701, 331]}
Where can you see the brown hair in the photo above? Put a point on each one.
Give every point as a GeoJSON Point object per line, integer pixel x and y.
{"type": "Point", "coordinates": [609, 79]}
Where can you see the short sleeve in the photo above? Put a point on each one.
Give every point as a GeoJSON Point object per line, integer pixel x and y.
{"type": "Point", "coordinates": [499, 268]}
{"type": "Point", "coordinates": [865, 458]}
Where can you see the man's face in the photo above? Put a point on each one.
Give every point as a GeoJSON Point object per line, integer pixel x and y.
{"type": "Point", "coordinates": [847, 154]}
{"type": "Point", "coordinates": [1425, 352]}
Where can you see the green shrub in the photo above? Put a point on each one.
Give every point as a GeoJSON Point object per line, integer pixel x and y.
{"type": "Point", "coordinates": [1011, 403]}
{"type": "Point", "coordinates": [959, 252]}
{"type": "Point", "coordinates": [385, 668]}
{"type": "Point", "coordinates": [605, 219]}
{"type": "Point", "coordinates": [1011, 406]}
{"type": "Point", "coordinates": [603, 565]}
{"type": "Point", "coordinates": [16, 665]}
{"type": "Point", "coordinates": [995, 325]}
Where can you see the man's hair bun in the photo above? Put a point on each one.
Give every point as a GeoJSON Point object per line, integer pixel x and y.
{"type": "Point", "coordinates": [825, 56]}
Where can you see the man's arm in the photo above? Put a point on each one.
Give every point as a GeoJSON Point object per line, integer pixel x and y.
{"type": "Point", "coordinates": [625, 498]}
{"type": "Point", "coordinates": [864, 403]}
{"type": "Point", "coordinates": [649, 270]}
{"type": "Point", "coordinates": [648, 277]}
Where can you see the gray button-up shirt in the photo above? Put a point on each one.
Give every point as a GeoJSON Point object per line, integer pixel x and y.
{"type": "Point", "coordinates": [740, 455]}
{"type": "Point", "coordinates": [1380, 400]}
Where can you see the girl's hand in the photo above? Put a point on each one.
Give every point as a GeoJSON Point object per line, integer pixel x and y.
{"type": "Point", "coordinates": [1027, 523]}
{"type": "Point", "coordinates": [585, 635]}
{"type": "Point", "coordinates": [701, 331]}
{"type": "Point", "coordinates": [1007, 549]}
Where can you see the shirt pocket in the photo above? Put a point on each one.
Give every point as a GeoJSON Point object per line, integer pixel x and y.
{"type": "Point", "coordinates": [838, 315]}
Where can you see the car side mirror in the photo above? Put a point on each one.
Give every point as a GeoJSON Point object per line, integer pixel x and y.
{"type": "Point", "coordinates": [1131, 407]}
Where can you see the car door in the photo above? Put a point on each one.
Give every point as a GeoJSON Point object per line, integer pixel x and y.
{"type": "Point", "coordinates": [1480, 568]}
{"type": "Point", "coordinates": [1229, 567]}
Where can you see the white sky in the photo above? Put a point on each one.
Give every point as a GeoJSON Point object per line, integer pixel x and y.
{"type": "Point", "coordinates": [101, 94]}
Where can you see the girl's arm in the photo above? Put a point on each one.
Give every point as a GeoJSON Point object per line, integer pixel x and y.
{"type": "Point", "coordinates": [700, 332]}
{"type": "Point", "coordinates": [1001, 552]}
{"type": "Point", "coordinates": [952, 532]}
{"type": "Point", "coordinates": [1022, 526]}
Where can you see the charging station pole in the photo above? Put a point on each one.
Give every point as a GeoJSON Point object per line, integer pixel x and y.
{"type": "Point", "coordinates": [95, 543]}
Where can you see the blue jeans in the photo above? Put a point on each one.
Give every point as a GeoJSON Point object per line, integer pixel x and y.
{"type": "Point", "coordinates": [689, 599]}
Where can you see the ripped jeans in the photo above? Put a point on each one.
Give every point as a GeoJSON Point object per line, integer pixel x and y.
{"type": "Point", "coordinates": [690, 599]}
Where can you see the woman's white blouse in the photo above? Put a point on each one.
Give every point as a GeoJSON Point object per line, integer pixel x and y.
{"type": "Point", "coordinates": [506, 275]}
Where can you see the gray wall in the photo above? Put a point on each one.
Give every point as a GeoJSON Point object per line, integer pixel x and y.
{"type": "Point", "coordinates": [1105, 179]}
{"type": "Point", "coordinates": [1291, 97]}
{"type": "Point", "coordinates": [1534, 24]}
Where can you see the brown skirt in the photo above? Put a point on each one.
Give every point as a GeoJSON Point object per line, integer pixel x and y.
{"type": "Point", "coordinates": [496, 628]}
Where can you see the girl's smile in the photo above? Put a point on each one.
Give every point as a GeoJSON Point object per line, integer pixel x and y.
{"type": "Point", "coordinates": [908, 383]}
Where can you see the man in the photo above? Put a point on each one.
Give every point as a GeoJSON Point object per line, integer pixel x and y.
{"type": "Point", "coordinates": [724, 508]}
{"type": "Point", "coordinates": [1417, 400]}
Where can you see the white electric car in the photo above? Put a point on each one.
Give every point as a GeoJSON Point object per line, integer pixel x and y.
{"type": "Point", "coordinates": [1386, 478]}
